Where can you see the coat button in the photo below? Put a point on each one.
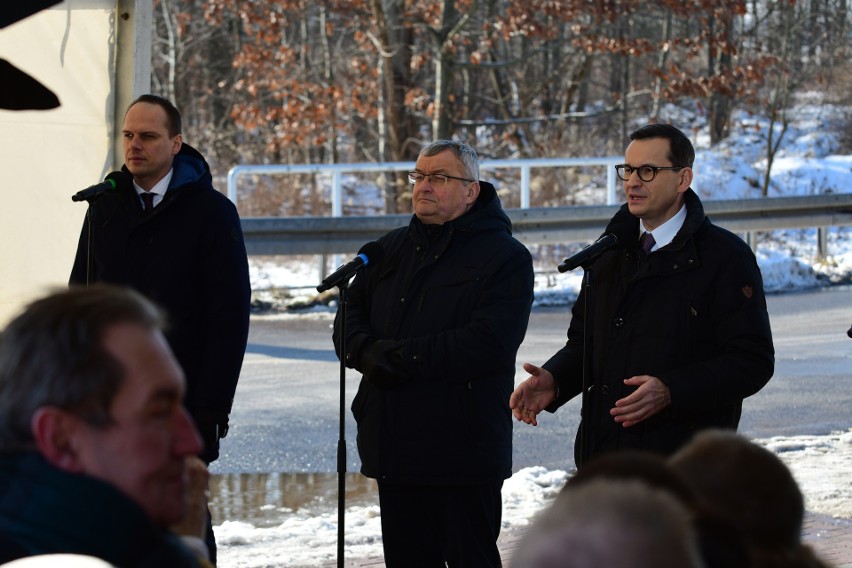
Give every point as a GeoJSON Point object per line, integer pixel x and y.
{"type": "Point", "coordinates": [618, 322]}
{"type": "Point", "coordinates": [402, 300]}
{"type": "Point", "coordinates": [605, 390]}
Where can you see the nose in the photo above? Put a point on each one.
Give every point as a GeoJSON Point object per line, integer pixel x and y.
{"type": "Point", "coordinates": [187, 440]}
{"type": "Point", "coordinates": [633, 179]}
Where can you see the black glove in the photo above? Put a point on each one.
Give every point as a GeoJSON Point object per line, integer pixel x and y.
{"type": "Point", "coordinates": [213, 426]}
{"type": "Point", "coordinates": [383, 363]}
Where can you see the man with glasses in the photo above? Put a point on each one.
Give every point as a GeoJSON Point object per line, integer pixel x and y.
{"type": "Point", "coordinates": [434, 327]}
{"type": "Point", "coordinates": [670, 328]}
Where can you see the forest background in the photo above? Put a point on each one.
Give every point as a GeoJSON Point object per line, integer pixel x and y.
{"type": "Point", "coordinates": [334, 81]}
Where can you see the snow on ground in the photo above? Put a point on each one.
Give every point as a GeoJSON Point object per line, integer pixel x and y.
{"type": "Point", "coordinates": [308, 537]}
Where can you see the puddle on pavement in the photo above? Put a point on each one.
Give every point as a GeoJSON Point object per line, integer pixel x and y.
{"type": "Point", "coordinates": [266, 499]}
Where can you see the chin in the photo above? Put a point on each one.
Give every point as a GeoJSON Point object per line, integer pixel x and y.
{"type": "Point", "coordinates": [635, 209]}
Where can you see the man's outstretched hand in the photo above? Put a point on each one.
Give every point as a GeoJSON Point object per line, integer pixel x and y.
{"type": "Point", "coordinates": [533, 395]}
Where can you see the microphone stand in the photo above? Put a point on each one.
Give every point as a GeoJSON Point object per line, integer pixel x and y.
{"type": "Point", "coordinates": [586, 258]}
{"type": "Point", "coordinates": [341, 441]}
{"type": "Point", "coordinates": [342, 284]}
{"type": "Point", "coordinates": [585, 407]}
{"type": "Point", "coordinates": [90, 242]}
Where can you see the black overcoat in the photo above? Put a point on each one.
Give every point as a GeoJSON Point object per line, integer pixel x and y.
{"type": "Point", "coordinates": [458, 296]}
{"type": "Point", "coordinates": [692, 313]}
{"type": "Point", "coordinates": [189, 257]}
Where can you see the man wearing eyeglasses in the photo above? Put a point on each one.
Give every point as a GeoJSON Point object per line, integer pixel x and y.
{"type": "Point", "coordinates": [673, 325]}
{"type": "Point", "coordinates": [434, 327]}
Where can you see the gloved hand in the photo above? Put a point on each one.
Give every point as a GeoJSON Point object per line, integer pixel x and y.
{"type": "Point", "coordinates": [213, 426]}
{"type": "Point", "coordinates": [383, 363]}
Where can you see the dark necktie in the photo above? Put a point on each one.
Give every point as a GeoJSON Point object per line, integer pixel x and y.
{"type": "Point", "coordinates": [647, 242]}
{"type": "Point", "coordinates": [147, 201]}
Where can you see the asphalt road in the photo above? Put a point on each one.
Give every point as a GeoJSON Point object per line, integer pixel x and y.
{"type": "Point", "coordinates": [287, 407]}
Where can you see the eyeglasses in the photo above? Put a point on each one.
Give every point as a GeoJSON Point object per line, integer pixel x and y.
{"type": "Point", "coordinates": [645, 172]}
{"type": "Point", "coordinates": [434, 179]}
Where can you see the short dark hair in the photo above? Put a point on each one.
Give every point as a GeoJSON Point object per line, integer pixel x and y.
{"type": "Point", "coordinates": [173, 120]}
{"type": "Point", "coordinates": [52, 354]}
{"type": "Point", "coordinates": [681, 152]}
{"type": "Point", "coordinates": [745, 483]}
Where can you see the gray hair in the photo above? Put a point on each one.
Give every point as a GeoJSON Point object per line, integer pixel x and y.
{"type": "Point", "coordinates": [466, 155]}
{"type": "Point", "coordinates": [606, 522]}
{"type": "Point", "coordinates": [52, 354]}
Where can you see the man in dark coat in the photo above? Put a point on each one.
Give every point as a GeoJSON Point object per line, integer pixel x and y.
{"type": "Point", "coordinates": [94, 438]}
{"type": "Point", "coordinates": [434, 326]}
{"type": "Point", "coordinates": [677, 336]}
{"type": "Point", "coordinates": [184, 250]}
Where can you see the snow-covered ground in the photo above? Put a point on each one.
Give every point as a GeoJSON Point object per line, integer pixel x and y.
{"type": "Point", "coordinates": [807, 164]}
{"type": "Point", "coordinates": [308, 537]}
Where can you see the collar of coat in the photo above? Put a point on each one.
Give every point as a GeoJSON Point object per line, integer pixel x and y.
{"type": "Point", "coordinates": [190, 169]}
{"type": "Point", "coordinates": [625, 225]}
{"type": "Point", "coordinates": [486, 214]}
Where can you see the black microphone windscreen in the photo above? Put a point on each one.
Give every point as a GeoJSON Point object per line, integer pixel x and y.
{"type": "Point", "coordinates": [373, 251]}
{"type": "Point", "coordinates": [121, 178]}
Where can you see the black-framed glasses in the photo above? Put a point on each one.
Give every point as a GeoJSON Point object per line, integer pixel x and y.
{"type": "Point", "coordinates": [434, 179]}
{"type": "Point", "coordinates": [645, 172]}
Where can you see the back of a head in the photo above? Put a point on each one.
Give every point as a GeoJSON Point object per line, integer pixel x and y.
{"type": "Point", "coordinates": [719, 543]}
{"type": "Point", "coordinates": [612, 523]}
{"type": "Point", "coordinates": [52, 355]}
{"type": "Point", "coordinates": [746, 484]}
{"type": "Point", "coordinates": [625, 465]}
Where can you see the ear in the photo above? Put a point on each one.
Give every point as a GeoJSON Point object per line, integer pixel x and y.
{"type": "Point", "coordinates": [177, 142]}
{"type": "Point", "coordinates": [55, 431]}
{"type": "Point", "coordinates": [472, 192]}
{"type": "Point", "coordinates": [685, 180]}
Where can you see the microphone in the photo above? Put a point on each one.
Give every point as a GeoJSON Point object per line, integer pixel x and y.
{"type": "Point", "coordinates": [588, 254]}
{"type": "Point", "coordinates": [370, 253]}
{"type": "Point", "coordinates": [111, 182]}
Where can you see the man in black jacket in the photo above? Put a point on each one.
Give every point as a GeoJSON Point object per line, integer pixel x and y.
{"type": "Point", "coordinates": [434, 326]}
{"type": "Point", "coordinates": [674, 334]}
{"type": "Point", "coordinates": [170, 235]}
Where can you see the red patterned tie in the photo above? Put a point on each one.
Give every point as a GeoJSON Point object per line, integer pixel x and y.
{"type": "Point", "coordinates": [647, 242]}
{"type": "Point", "coordinates": [147, 201]}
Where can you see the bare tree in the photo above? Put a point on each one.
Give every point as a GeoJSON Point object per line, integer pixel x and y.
{"type": "Point", "coordinates": [323, 81]}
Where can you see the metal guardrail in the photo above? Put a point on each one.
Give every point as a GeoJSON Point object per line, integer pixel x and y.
{"type": "Point", "coordinates": [338, 235]}
{"type": "Point", "coordinates": [337, 172]}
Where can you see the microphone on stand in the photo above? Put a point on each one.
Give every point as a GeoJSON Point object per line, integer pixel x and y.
{"type": "Point", "coordinates": [113, 181]}
{"type": "Point", "coordinates": [588, 254]}
{"type": "Point", "coordinates": [369, 253]}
